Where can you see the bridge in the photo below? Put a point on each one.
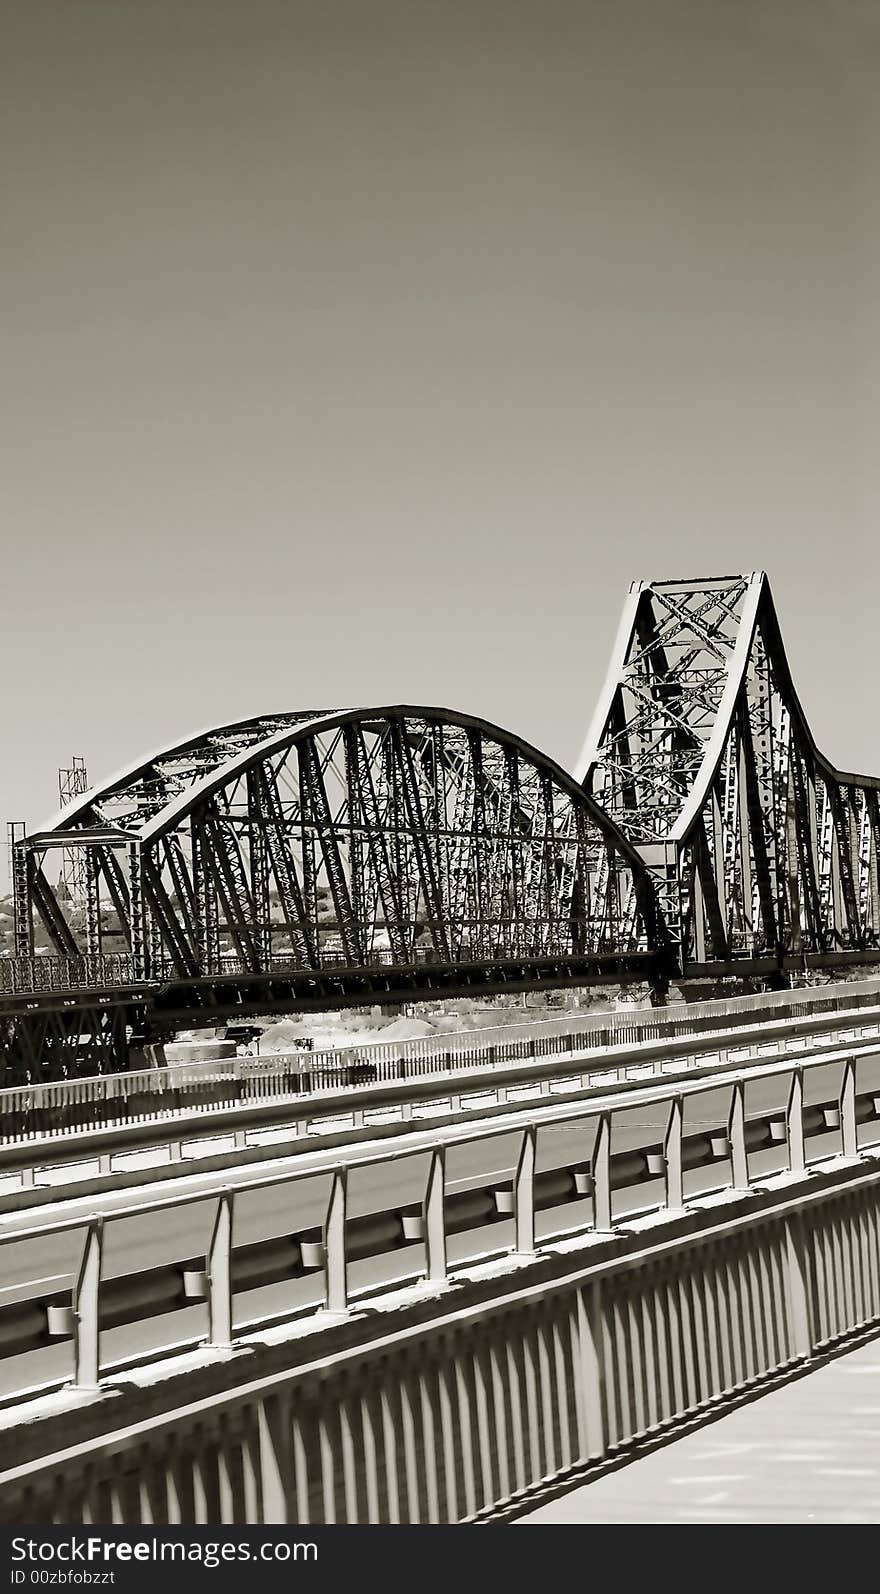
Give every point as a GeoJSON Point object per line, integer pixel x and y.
{"type": "Point", "coordinates": [313, 860]}
{"type": "Point", "coordinates": [441, 1280]}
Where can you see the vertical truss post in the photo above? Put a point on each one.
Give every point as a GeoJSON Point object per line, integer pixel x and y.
{"type": "Point", "coordinates": [872, 803]}
{"type": "Point", "coordinates": [329, 842]}
{"type": "Point", "coordinates": [805, 837]}
{"type": "Point", "coordinates": [699, 911]}
{"type": "Point", "coordinates": [259, 861]}
{"type": "Point", "coordinates": [93, 905]}
{"type": "Point", "coordinates": [114, 876]}
{"type": "Point", "coordinates": [399, 852]}
{"type": "Point", "coordinates": [846, 906]}
{"type": "Point", "coordinates": [207, 928]}
{"type": "Point", "coordinates": [363, 795]}
{"type": "Point", "coordinates": [720, 834]}
{"type": "Point", "coordinates": [183, 891]}
{"type": "Point", "coordinates": [435, 1217]}
{"type": "Point", "coordinates": [308, 850]}
{"type": "Point", "coordinates": [224, 859]}
{"type": "Point", "coordinates": [758, 888]}
{"type": "Point", "coordinates": [86, 1310]}
{"type": "Point", "coordinates": [748, 824]}
{"type": "Point", "coordinates": [166, 921]}
{"type": "Point", "coordinates": [477, 884]}
{"type": "Point", "coordinates": [301, 928]}
{"type": "Point", "coordinates": [514, 843]}
{"type": "Point", "coordinates": [139, 956]}
{"type": "Point", "coordinates": [334, 1244]}
{"type": "Point", "coordinates": [219, 1270]}
{"type": "Point", "coordinates": [866, 915]}
{"type": "Point", "coordinates": [524, 1193]}
{"type": "Point", "coordinates": [22, 865]}
{"type": "Point", "coordinates": [356, 829]}
{"type": "Point", "coordinates": [427, 873]}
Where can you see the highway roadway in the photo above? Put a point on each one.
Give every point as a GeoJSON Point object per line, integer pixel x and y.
{"type": "Point", "coordinates": [34, 1268]}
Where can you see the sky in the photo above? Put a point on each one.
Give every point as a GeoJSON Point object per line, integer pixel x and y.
{"type": "Point", "coordinates": [364, 353]}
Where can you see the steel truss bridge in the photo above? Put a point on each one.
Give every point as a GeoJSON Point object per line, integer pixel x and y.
{"type": "Point", "coordinates": [764, 856]}
{"type": "Point", "coordinates": [316, 859]}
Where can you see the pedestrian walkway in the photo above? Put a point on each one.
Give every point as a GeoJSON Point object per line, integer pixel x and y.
{"type": "Point", "coordinates": [809, 1452]}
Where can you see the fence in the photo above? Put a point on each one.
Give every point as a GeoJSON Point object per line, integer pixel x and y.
{"type": "Point", "coordinates": [45, 974]}
{"type": "Point", "coordinates": [66, 1106]}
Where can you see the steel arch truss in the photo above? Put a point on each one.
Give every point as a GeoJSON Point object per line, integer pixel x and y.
{"type": "Point", "coordinates": [701, 754]}
{"type": "Point", "coordinates": [392, 838]}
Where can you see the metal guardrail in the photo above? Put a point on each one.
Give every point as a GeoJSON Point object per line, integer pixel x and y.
{"type": "Point", "coordinates": [97, 1304]}
{"type": "Point", "coordinates": [45, 974]}
{"type": "Point", "coordinates": [144, 1095]}
{"type": "Point", "coordinates": [470, 1404]}
{"type": "Point", "coordinates": [256, 1127]}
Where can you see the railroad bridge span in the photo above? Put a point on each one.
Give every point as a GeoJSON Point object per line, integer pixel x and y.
{"type": "Point", "coordinates": [318, 859]}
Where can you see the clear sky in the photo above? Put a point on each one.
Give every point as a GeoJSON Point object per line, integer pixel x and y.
{"type": "Point", "coordinates": [364, 352]}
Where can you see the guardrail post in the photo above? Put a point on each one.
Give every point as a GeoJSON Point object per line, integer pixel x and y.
{"type": "Point", "coordinates": [601, 1171]}
{"type": "Point", "coordinates": [849, 1139]}
{"type": "Point", "coordinates": [794, 1120]}
{"type": "Point", "coordinates": [672, 1154]}
{"type": "Point", "coordinates": [524, 1193]}
{"type": "Point", "coordinates": [736, 1130]}
{"type": "Point", "coordinates": [86, 1310]}
{"type": "Point", "coordinates": [336, 1273]}
{"type": "Point", "coordinates": [435, 1217]}
{"type": "Point", "coordinates": [219, 1270]}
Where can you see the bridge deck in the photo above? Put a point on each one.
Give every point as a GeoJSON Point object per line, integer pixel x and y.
{"type": "Point", "coordinates": [809, 1452]}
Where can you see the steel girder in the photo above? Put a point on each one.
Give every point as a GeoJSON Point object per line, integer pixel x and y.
{"type": "Point", "coordinates": [701, 754]}
{"type": "Point", "coordinates": [394, 836]}
{"type": "Point", "coordinates": [58, 1042]}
